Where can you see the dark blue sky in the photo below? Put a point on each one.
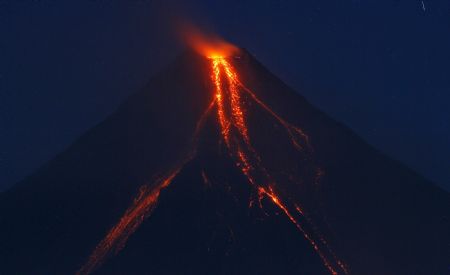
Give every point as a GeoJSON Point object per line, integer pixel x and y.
{"type": "Point", "coordinates": [381, 67]}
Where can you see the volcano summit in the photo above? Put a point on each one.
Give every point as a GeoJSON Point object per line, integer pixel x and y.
{"type": "Point", "coordinates": [217, 167]}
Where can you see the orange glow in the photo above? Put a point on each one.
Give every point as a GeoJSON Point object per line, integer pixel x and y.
{"type": "Point", "coordinates": [210, 45]}
{"type": "Point", "coordinates": [117, 237]}
{"type": "Point", "coordinates": [140, 209]}
{"type": "Point", "coordinates": [313, 243]}
{"type": "Point", "coordinates": [219, 99]}
{"type": "Point", "coordinates": [231, 117]}
{"type": "Point", "coordinates": [229, 99]}
{"type": "Point", "coordinates": [321, 238]}
{"type": "Point", "coordinates": [296, 134]}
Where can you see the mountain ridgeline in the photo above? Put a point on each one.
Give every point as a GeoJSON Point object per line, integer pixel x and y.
{"type": "Point", "coordinates": [170, 184]}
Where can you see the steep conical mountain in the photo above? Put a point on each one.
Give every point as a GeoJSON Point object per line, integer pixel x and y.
{"type": "Point", "coordinates": [217, 167]}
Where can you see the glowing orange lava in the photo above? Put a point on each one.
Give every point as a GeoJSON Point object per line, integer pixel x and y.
{"type": "Point", "coordinates": [139, 210]}
{"type": "Point", "coordinates": [117, 237]}
{"type": "Point", "coordinates": [206, 44]}
{"type": "Point", "coordinates": [231, 116]}
{"type": "Point", "coordinates": [229, 99]}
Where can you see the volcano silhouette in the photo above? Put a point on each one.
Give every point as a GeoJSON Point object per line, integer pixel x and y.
{"type": "Point", "coordinates": [358, 210]}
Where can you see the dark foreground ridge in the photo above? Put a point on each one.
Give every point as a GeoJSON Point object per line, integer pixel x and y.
{"type": "Point", "coordinates": [374, 214]}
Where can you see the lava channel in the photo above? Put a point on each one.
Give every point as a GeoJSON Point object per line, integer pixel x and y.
{"type": "Point", "coordinates": [231, 116]}
{"type": "Point", "coordinates": [234, 131]}
{"type": "Point", "coordinates": [141, 208]}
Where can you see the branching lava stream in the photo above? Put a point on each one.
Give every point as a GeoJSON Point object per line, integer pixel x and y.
{"type": "Point", "coordinates": [231, 115]}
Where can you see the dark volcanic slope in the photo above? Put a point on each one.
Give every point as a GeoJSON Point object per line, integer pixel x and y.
{"type": "Point", "coordinates": [379, 217]}
{"type": "Point", "coordinates": [208, 228]}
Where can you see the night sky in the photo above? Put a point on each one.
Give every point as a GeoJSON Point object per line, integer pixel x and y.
{"type": "Point", "coordinates": [381, 67]}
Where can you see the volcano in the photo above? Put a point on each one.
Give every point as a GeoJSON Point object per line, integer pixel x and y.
{"type": "Point", "coordinates": [218, 167]}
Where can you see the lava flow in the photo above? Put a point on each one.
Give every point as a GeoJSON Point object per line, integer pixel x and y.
{"type": "Point", "coordinates": [231, 116]}
{"type": "Point", "coordinates": [139, 210]}
{"type": "Point", "coordinates": [229, 98]}
{"type": "Point", "coordinates": [117, 237]}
